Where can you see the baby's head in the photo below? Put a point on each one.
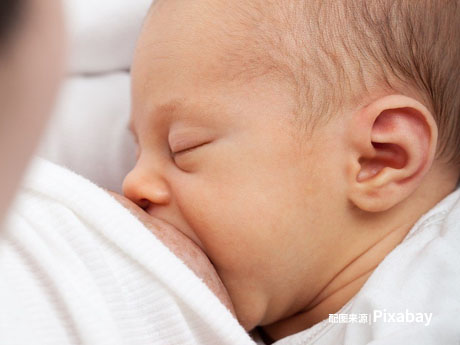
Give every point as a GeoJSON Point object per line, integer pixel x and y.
{"type": "Point", "coordinates": [286, 137]}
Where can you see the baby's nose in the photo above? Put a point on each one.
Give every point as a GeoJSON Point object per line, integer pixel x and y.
{"type": "Point", "coordinates": [146, 189]}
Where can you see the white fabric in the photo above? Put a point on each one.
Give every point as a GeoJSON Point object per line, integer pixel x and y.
{"type": "Point", "coordinates": [103, 33]}
{"type": "Point", "coordinates": [88, 133]}
{"type": "Point", "coordinates": [78, 268]}
{"type": "Point", "coordinates": [421, 275]}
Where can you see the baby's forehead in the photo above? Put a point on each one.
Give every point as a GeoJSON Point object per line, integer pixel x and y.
{"type": "Point", "coordinates": [233, 43]}
{"type": "Point", "coordinates": [238, 36]}
{"type": "Point", "coordinates": [214, 47]}
{"type": "Point", "coordinates": [182, 112]}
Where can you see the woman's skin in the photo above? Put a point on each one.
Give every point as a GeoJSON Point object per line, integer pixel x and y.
{"type": "Point", "coordinates": [183, 247]}
{"type": "Point", "coordinates": [31, 67]}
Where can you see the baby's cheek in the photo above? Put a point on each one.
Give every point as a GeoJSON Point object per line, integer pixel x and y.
{"type": "Point", "coordinates": [219, 227]}
{"type": "Point", "coordinates": [195, 161]}
{"type": "Point", "coordinates": [224, 207]}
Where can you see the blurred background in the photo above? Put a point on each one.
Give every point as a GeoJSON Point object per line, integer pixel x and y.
{"type": "Point", "coordinates": [88, 132]}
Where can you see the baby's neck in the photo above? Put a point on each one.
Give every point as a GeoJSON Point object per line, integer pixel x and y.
{"type": "Point", "coordinates": [390, 228]}
{"type": "Point", "coordinates": [340, 289]}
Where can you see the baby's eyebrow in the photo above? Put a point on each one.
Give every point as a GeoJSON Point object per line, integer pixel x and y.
{"type": "Point", "coordinates": [169, 108]}
{"type": "Point", "coordinates": [185, 112]}
{"type": "Point", "coordinates": [182, 109]}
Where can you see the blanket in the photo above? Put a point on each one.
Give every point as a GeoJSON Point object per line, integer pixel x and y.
{"type": "Point", "coordinates": [103, 33]}
{"type": "Point", "coordinates": [88, 132]}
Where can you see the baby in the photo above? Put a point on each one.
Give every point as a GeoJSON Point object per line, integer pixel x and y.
{"type": "Point", "coordinates": [297, 143]}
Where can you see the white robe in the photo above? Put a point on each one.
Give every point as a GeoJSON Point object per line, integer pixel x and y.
{"type": "Point", "coordinates": [78, 268]}
{"type": "Point", "coordinates": [413, 297]}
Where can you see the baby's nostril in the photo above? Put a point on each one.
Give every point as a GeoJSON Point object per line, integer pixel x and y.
{"type": "Point", "coordinates": [143, 203]}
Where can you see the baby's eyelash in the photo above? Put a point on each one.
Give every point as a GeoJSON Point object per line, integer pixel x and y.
{"type": "Point", "coordinates": [189, 149]}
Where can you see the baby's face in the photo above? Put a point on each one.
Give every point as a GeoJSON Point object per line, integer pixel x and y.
{"type": "Point", "coordinates": [220, 160]}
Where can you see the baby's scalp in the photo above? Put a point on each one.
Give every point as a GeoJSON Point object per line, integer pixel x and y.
{"type": "Point", "coordinates": [334, 54]}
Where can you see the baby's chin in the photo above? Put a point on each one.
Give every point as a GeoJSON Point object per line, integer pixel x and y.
{"type": "Point", "coordinates": [183, 247]}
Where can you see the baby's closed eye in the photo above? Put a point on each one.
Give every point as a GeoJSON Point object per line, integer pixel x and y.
{"type": "Point", "coordinates": [185, 141]}
{"type": "Point", "coordinates": [185, 147]}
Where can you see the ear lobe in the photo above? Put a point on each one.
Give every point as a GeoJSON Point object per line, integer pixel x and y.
{"type": "Point", "coordinates": [397, 145]}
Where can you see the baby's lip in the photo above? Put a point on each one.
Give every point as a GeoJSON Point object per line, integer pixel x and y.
{"type": "Point", "coordinates": [183, 247]}
{"type": "Point", "coordinates": [163, 223]}
{"type": "Point", "coordinates": [148, 220]}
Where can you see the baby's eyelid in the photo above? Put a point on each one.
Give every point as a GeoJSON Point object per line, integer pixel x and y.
{"type": "Point", "coordinates": [180, 145]}
{"type": "Point", "coordinates": [184, 140]}
{"type": "Point", "coordinates": [189, 148]}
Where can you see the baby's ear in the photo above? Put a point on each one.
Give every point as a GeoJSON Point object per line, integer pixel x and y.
{"type": "Point", "coordinates": [393, 143]}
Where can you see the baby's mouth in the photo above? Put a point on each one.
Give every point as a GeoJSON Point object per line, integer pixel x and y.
{"type": "Point", "coordinates": [183, 247]}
